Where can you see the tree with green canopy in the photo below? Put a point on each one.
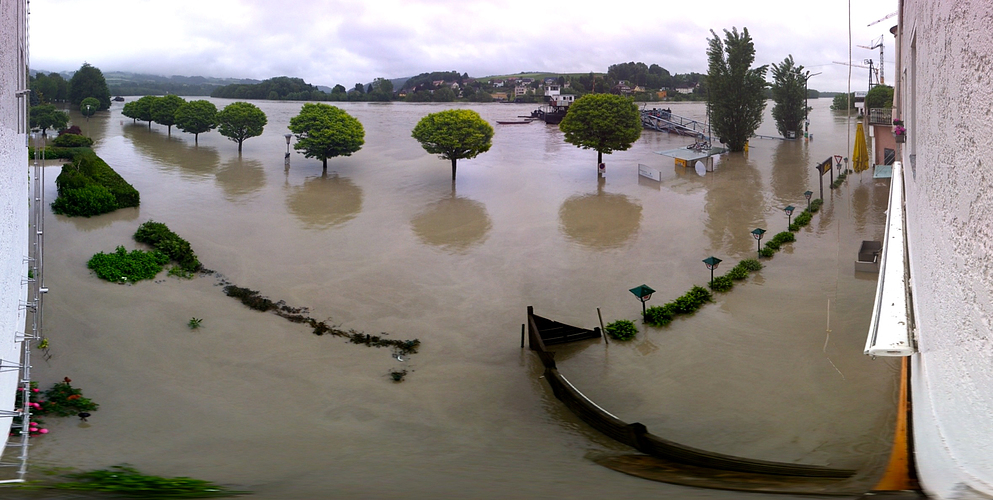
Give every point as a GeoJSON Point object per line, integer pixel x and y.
{"type": "Point", "coordinates": [444, 94]}
{"type": "Point", "coordinates": [89, 106]}
{"type": "Point", "coordinates": [45, 116]}
{"type": "Point", "coordinates": [196, 117]}
{"type": "Point", "coordinates": [455, 134]}
{"type": "Point", "coordinates": [241, 120]}
{"type": "Point", "coordinates": [324, 131]}
{"type": "Point", "coordinates": [164, 110]}
{"type": "Point", "coordinates": [843, 101]}
{"type": "Point", "coordinates": [879, 97]}
{"type": "Point", "coordinates": [131, 110]}
{"type": "Point", "coordinates": [789, 93]}
{"type": "Point", "coordinates": [143, 108]}
{"type": "Point", "coordinates": [602, 122]}
{"type": "Point", "coordinates": [88, 81]}
{"type": "Point", "coordinates": [735, 90]}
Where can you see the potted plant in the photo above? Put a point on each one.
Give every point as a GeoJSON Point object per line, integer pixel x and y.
{"type": "Point", "coordinates": [899, 131]}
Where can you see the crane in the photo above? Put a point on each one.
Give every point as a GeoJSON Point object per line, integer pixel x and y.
{"type": "Point", "coordinates": [878, 45]}
{"type": "Point", "coordinates": [872, 70]}
{"type": "Point", "coordinates": [891, 14]}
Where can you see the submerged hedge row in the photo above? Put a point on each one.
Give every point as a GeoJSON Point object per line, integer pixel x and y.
{"type": "Point", "coordinates": [159, 236]}
{"type": "Point", "coordinates": [88, 186]}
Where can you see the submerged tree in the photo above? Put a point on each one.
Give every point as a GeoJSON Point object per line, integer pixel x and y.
{"type": "Point", "coordinates": [143, 108]}
{"type": "Point", "coordinates": [789, 91]}
{"type": "Point", "coordinates": [88, 107]}
{"type": "Point", "coordinates": [455, 134]}
{"type": "Point", "coordinates": [735, 90]}
{"type": "Point", "coordinates": [164, 110]}
{"type": "Point", "coordinates": [88, 81]}
{"type": "Point", "coordinates": [239, 121]}
{"type": "Point", "coordinates": [45, 116]}
{"type": "Point", "coordinates": [603, 122]}
{"type": "Point", "coordinates": [196, 117]}
{"type": "Point", "coordinates": [324, 131]}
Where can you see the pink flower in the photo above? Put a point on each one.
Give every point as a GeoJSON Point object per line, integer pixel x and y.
{"type": "Point", "coordinates": [35, 390]}
{"type": "Point", "coordinates": [33, 429]}
{"type": "Point", "coordinates": [43, 431]}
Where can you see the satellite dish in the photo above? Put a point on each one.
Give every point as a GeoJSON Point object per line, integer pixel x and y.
{"type": "Point", "coordinates": [701, 169]}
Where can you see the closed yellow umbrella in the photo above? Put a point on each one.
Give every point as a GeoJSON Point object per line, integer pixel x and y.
{"type": "Point", "coordinates": [860, 155]}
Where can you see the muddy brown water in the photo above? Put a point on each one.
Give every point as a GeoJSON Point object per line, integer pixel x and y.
{"type": "Point", "coordinates": [383, 243]}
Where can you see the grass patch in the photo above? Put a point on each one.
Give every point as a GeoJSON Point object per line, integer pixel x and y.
{"type": "Point", "coordinates": [722, 284]}
{"type": "Point", "coordinates": [130, 483]}
{"type": "Point", "coordinates": [123, 266]}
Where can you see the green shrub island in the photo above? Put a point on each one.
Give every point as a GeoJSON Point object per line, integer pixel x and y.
{"type": "Point", "coordinates": [838, 181]}
{"type": "Point", "coordinates": [621, 329]}
{"type": "Point", "coordinates": [127, 482]}
{"type": "Point", "coordinates": [123, 266]}
{"type": "Point", "coordinates": [62, 400]}
{"type": "Point", "coordinates": [162, 239]}
{"type": "Point", "coordinates": [84, 186]}
{"type": "Point", "coordinates": [72, 141]}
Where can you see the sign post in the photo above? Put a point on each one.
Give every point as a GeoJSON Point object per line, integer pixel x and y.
{"type": "Point", "coordinates": [825, 167]}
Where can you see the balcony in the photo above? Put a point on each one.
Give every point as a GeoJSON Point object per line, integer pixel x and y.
{"type": "Point", "coordinates": [881, 116]}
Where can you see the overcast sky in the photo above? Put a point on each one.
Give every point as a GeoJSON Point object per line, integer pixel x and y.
{"type": "Point", "coordinates": [326, 42]}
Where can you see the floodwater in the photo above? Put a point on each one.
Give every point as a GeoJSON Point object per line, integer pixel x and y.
{"type": "Point", "coordinates": [385, 243]}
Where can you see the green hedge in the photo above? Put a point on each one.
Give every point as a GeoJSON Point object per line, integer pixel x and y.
{"type": "Point", "coordinates": [79, 187]}
{"type": "Point", "coordinates": [688, 303]}
{"type": "Point", "coordinates": [159, 236]}
{"type": "Point", "coordinates": [54, 153]}
{"type": "Point", "coordinates": [72, 141]}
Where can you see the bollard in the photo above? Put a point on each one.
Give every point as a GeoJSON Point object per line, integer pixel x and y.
{"type": "Point", "coordinates": [522, 335]}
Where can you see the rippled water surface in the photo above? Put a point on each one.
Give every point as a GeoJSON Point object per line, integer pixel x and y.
{"type": "Point", "coordinates": [383, 242]}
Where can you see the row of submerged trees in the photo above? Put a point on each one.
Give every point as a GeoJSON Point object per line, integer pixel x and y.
{"type": "Point", "coordinates": [237, 121]}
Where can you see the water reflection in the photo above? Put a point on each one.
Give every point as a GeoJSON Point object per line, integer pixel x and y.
{"type": "Point", "coordinates": [790, 173]}
{"type": "Point", "coordinates": [87, 224]}
{"type": "Point", "coordinates": [324, 202]}
{"type": "Point", "coordinates": [164, 150]}
{"type": "Point", "coordinates": [600, 220]}
{"type": "Point", "coordinates": [861, 205]}
{"type": "Point", "coordinates": [736, 206]}
{"type": "Point", "coordinates": [94, 128]}
{"type": "Point", "coordinates": [240, 176]}
{"type": "Point", "coordinates": [453, 223]}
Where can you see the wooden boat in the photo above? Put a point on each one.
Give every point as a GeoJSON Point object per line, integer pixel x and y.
{"type": "Point", "coordinates": [514, 122]}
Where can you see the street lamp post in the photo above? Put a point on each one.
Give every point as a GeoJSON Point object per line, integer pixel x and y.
{"type": "Point", "coordinates": [712, 263]}
{"type": "Point", "coordinates": [643, 292]}
{"type": "Point", "coordinates": [88, 112]}
{"type": "Point", "coordinates": [789, 215]}
{"type": "Point", "coordinates": [807, 194]}
{"type": "Point", "coordinates": [288, 137]}
{"type": "Point", "coordinates": [757, 234]}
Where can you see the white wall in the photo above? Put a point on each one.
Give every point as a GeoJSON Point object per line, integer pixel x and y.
{"type": "Point", "coordinates": [946, 55]}
{"type": "Point", "coordinates": [13, 195]}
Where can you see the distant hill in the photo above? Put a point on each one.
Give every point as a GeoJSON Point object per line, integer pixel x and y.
{"type": "Point", "coordinates": [123, 83]}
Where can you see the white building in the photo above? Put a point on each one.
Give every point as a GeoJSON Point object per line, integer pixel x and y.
{"type": "Point", "coordinates": [14, 199]}
{"type": "Point", "coordinates": [944, 96]}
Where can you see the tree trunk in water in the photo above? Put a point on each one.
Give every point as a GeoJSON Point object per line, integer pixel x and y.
{"type": "Point", "coordinates": [453, 168]}
{"type": "Point", "coordinates": [196, 139]}
{"type": "Point", "coordinates": [325, 165]}
{"type": "Point", "coordinates": [599, 160]}
{"type": "Point", "coordinates": [239, 147]}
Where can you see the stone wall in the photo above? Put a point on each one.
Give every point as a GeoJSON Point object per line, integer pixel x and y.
{"type": "Point", "coordinates": [14, 196]}
{"type": "Point", "coordinates": [946, 96]}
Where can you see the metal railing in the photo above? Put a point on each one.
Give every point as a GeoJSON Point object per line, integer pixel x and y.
{"type": "Point", "coordinates": [881, 116]}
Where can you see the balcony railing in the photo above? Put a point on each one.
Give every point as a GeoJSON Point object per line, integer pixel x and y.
{"type": "Point", "coordinates": [880, 116]}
